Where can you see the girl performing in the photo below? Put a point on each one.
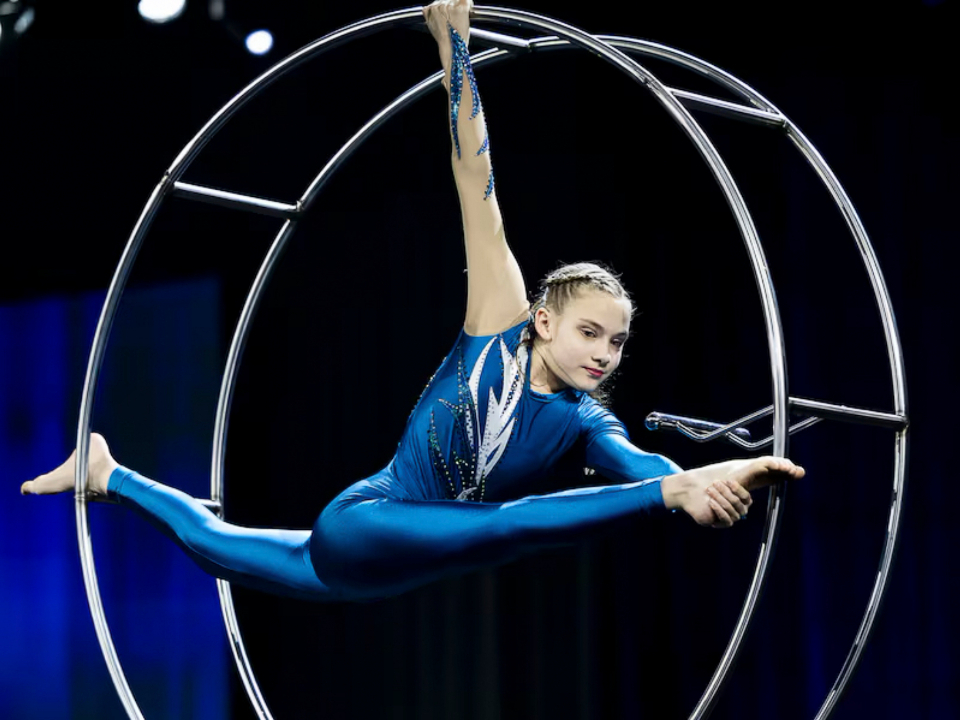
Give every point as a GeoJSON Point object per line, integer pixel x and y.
{"type": "Point", "coordinates": [517, 390]}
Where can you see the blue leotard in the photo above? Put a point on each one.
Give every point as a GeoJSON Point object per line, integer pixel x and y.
{"type": "Point", "coordinates": [478, 439]}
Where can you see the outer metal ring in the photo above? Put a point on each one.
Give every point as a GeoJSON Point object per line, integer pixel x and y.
{"type": "Point", "coordinates": [564, 35]}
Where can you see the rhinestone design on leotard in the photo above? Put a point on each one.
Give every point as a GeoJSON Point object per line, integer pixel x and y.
{"type": "Point", "coordinates": [474, 449]}
{"type": "Point", "coordinates": [462, 67]}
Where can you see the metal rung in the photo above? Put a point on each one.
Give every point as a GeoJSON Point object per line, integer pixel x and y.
{"type": "Point", "coordinates": [212, 505]}
{"type": "Point", "coordinates": [656, 420]}
{"type": "Point", "coordinates": [236, 201]}
{"type": "Point", "coordinates": [793, 429]}
{"type": "Point", "coordinates": [845, 413]}
{"type": "Point", "coordinates": [495, 39]}
{"type": "Point", "coordinates": [737, 111]}
{"type": "Point", "coordinates": [705, 430]}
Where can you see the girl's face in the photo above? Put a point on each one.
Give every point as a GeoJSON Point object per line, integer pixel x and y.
{"type": "Point", "coordinates": [583, 346]}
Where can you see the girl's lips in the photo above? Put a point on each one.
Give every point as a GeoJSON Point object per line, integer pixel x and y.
{"type": "Point", "coordinates": [594, 373]}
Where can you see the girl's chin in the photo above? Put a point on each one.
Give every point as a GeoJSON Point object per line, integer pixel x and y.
{"type": "Point", "coordinates": [590, 384]}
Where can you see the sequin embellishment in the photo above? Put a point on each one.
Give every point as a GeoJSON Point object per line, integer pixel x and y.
{"type": "Point", "coordinates": [475, 449]}
{"type": "Point", "coordinates": [462, 67]}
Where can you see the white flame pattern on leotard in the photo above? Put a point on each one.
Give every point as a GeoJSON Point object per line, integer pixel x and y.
{"type": "Point", "coordinates": [480, 447]}
{"type": "Point", "coordinates": [502, 411]}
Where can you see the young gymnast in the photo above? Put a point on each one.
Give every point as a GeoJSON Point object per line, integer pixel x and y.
{"type": "Point", "coordinates": [513, 395]}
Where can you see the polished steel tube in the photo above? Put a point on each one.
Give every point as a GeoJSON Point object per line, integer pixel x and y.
{"type": "Point", "coordinates": [890, 544]}
{"type": "Point", "coordinates": [881, 294]}
{"type": "Point", "coordinates": [725, 108]}
{"type": "Point", "coordinates": [225, 401]}
{"type": "Point", "coordinates": [657, 420]}
{"type": "Point", "coordinates": [845, 413]}
{"type": "Point", "coordinates": [792, 430]}
{"type": "Point", "coordinates": [239, 651]}
{"type": "Point", "coordinates": [241, 334]}
{"type": "Point", "coordinates": [236, 201]}
{"type": "Point", "coordinates": [94, 365]}
{"type": "Point", "coordinates": [694, 64]}
{"type": "Point", "coordinates": [494, 38]}
{"type": "Point", "coordinates": [345, 34]}
{"type": "Point", "coordinates": [899, 391]}
{"type": "Point", "coordinates": [414, 93]}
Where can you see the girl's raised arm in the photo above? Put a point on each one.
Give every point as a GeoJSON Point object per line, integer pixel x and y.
{"type": "Point", "coordinates": [496, 295]}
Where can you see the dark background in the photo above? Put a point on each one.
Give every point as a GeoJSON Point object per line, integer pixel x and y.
{"type": "Point", "coordinates": [370, 295]}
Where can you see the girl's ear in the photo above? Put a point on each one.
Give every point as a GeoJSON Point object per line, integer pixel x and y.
{"type": "Point", "coordinates": [543, 322]}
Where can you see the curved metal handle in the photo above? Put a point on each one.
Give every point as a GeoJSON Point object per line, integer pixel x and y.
{"type": "Point", "coordinates": [658, 420]}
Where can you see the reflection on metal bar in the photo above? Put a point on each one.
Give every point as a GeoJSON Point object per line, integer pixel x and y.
{"type": "Point", "coordinates": [792, 430]}
{"type": "Point", "coordinates": [236, 201]}
{"type": "Point", "coordinates": [728, 109]}
{"type": "Point", "coordinates": [768, 300]}
{"type": "Point", "coordinates": [656, 420]}
{"type": "Point", "coordinates": [850, 414]}
{"type": "Point", "coordinates": [704, 430]}
{"type": "Point", "coordinates": [241, 334]}
{"type": "Point", "coordinates": [898, 377]}
{"type": "Point", "coordinates": [495, 39]}
{"type": "Point", "coordinates": [880, 584]}
{"type": "Point", "coordinates": [94, 365]}
{"type": "Point", "coordinates": [240, 652]}
{"type": "Point", "coordinates": [306, 201]}
{"type": "Point", "coordinates": [212, 505]}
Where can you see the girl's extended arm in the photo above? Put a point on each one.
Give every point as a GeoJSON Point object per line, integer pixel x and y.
{"type": "Point", "coordinates": [496, 295]}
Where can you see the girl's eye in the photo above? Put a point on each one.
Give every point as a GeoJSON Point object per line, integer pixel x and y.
{"type": "Point", "coordinates": [589, 333]}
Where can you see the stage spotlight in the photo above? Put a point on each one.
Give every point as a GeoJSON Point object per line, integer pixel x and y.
{"type": "Point", "coordinates": [161, 11]}
{"type": "Point", "coordinates": [259, 42]}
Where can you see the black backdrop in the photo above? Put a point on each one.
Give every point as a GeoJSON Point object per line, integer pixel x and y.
{"type": "Point", "coordinates": [370, 296]}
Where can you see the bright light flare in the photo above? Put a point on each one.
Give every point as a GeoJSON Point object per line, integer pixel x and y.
{"type": "Point", "coordinates": [259, 42]}
{"type": "Point", "coordinates": [24, 21]}
{"type": "Point", "coordinates": [161, 11]}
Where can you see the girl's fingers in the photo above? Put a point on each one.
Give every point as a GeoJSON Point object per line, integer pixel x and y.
{"type": "Point", "coordinates": [729, 512]}
{"type": "Point", "coordinates": [723, 491]}
{"type": "Point", "coordinates": [723, 517]}
{"type": "Point", "coordinates": [740, 491]}
{"type": "Point", "coordinates": [714, 494]}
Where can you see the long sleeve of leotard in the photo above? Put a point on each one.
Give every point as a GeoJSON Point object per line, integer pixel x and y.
{"type": "Point", "coordinates": [613, 455]}
{"type": "Point", "coordinates": [610, 452]}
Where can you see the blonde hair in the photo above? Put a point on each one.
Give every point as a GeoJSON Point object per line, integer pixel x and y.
{"type": "Point", "coordinates": [566, 283]}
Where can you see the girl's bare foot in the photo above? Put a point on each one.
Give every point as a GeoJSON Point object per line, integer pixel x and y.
{"type": "Point", "coordinates": [61, 479]}
{"type": "Point", "coordinates": [719, 495]}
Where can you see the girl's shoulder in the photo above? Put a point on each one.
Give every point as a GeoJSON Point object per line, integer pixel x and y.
{"type": "Point", "coordinates": [515, 329]}
{"type": "Point", "coordinates": [512, 338]}
{"type": "Point", "coordinates": [597, 419]}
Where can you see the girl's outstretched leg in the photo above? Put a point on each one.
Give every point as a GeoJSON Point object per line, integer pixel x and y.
{"type": "Point", "coordinates": [380, 546]}
{"type": "Point", "coordinates": [276, 561]}
{"type": "Point", "coordinates": [272, 560]}
{"type": "Point", "coordinates": [373, 545]}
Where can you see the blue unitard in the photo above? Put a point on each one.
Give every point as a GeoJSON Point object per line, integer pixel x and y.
{"type": "Point", "coordinates": [478, 439]}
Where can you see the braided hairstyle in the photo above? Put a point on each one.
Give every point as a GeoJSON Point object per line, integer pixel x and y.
{"type": "Point", "coordinates": [566, 283]}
